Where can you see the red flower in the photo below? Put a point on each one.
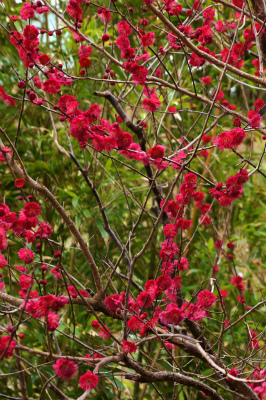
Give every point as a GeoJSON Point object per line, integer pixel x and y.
{"type": "Point", "coordinates": [122, 43]}
{"type": "Point", "coordinates": [3, 239]}
{"type": "Point", "coordinates": [95, 324]}
{"type": "Point", "coordinates": [88, 381]}
{"type": "Point", "coordinates": [259, 103]}
{"type": "Point", "coordinates": [26, 255]}
{"type": "Point", "coordinates": [85, 51]}
{"type": "Point", "coordinates": [6, 98]}
{"type": "Point", "coordinates": [224, 293]}
{"type": "Point", "coordinates": [218, 244]}
{"type": "Point", "coordinates": [255, 121]}
{"type": "Point", "coordinates": [164, 282]}
{"type": "Point", "coordinates": [172, 315]}
{"type": "Point", "coordinates": [205, 220]}
{"type": "Point", "coordinates": [134, 323]}
{"type": "Point", "coordinates": [206, 299]}
{"type": "Point", "coordinates": [196, 61]}
{"type": "Point", "coordinates": [4, 341]}
{"type": "Point", "coordinates": [183, 264]}
{"type": "Point", "coordinates": [25, 282]}
{"type": "Point", "coordinates": [51, 86]}
{"type": "Point", "coordinates": [157, 152]}
{"type": "Point", "coordinates": [144, 300]}
{"type": "Point", "coordinates": [44, 59]}
{"type": "Point", "coordinates": [206, 80]}
{"type": "Point", "coordinates": [148, 1]}
{"type": "Point", "coordinates": [52, 321]}
{"type": "Point", "coordinates": [241, 299]}
{"type": "Point", "coordinates": [152, 288]}
{"type": "Point", "coordinates": [79, 128]}
{"type": "Point", "coordinates": [30, 32]}
{"type": "Point", "coordinates": [113, 302]}
{"type": "Point", "coordinates": [27, 11]}
{"type": "Point", "coordinates": [84, 62]}
{"type": "Point", "coordinates": [148, 39]}
{"type": "Point", "coordinates": [73, 9]}
{"type": "Point", "coordinates": [229, 140]}
{"type": "Point", "coordinates": [65, 369]}
{"type": "Point", "coordinates": [129, 347]}
{"type": "Point", "coordinates": [152, 103]}
{"type": "Point", "coordinates": [172, 109]}
{"type": "Point", "coordinates": [123, 28]}
{"type": "Point", "coordinates": [237, 282]}
{"type": "Point", "coordinates": [19, 183]}
{"type": "Point", "coordinates": [170, 230]}
{"type": "Point", "coordinates": [3, 261]}
{"type": "Point", "coordinates": [31, 209]}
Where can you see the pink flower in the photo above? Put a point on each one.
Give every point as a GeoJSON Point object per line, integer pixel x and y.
{"type": "Point", "coordinates": [151, 103]}
{"type": "Point", "coordinates": [85, 51]}
{"type": "Point", "coordinates": [88, 381]}
{"type": "Point", "coordinates": [241, 299]}
{"type": "Point", "coordinates": [27, 11]}
{"type": "Point", "coordinates": [237, 281]}
{"type": "Point", "coordinates": [30, 32]}
{"type": "Point", "coordinates": [206, 80]}
{"type": "Point", "coordinates": [183, 264]}
{"type": "Point", "coordinates": [123, 28]}
{"type": "Point", "coordinates": [148, 39]}
{"type": "Point", "coordinates": [259, 103]}
{"type": "Point", "coordinates": [218, 244]}
{"type": "Point", "coordinates": [79, 128]}
{"type": "Point", "coordinates": [52, 321]}
{"type": "Point", "coordinates": [157, 152]}
{"type": "Point", "coordinates": [151, 287]}
{"type": "Point", "coordinates": [134, 323]}
{"type": "Point", "coordinates": [129, 347]}
{"type": "Point", "coordinates": [74, 10]}
{"type": "Point", "coordinates": [25, 282]}
{"type": "Point", "coordinates": [164, 282]}
{"type": "Point", "coordinates": [31, 209]}
{"type": "Point", "coordinates": [255, 121]}
{"type": "Point", "coordinates": [95, 324]}
{"type": "Point", "coordinates": [3, 239]}
{"type": "Point", "coordinates": [19, 183]}
{"type": "Point", "coordinates": [26, 255]}
{"type": "Point", "coordinates": [65, 369]}
{"type": "Point", "coordinates": [122, 43]}
{"type": "Point", "coordinates": [229, 140]}
{"type": "Point", "coordinates": [206, 299]}
{"type": "Point", "coordinates": [6, 98]}
{"type": "Point", "coordinates": [51, 86]}
{"type": "Point", "coordinates": [113, 302]}
{"type": "Point", "coordinates": [170, 230]}
{"type": "Point", "coordinates": [3, 261]}
{"type": "Point", "coordinates": [224, 293]}
{"type": "Point", "coordinates": [232, 372]}
{"type": "Point", "coordinates": [144, 300]}
{"type": "Point", "coordinates": [172, 315]}
{"type": "Point", "coordinates": [172, 109]}
{"type": "Point", "coordinates": [205, 221]}
{"type": "Point", "coordinates": [4, 341]}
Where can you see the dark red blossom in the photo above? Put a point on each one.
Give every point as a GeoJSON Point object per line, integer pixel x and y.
{"type": "Point", "coordinates": [129, 347]}
{"type": "Point", "coordinates": [4, 342]}
{"type": "Point", "coordinates": [206, 299]}
{"type": "Point", "coordinates": [65, 369]}
{"type": "Point", "coordinates": [88, 381]}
